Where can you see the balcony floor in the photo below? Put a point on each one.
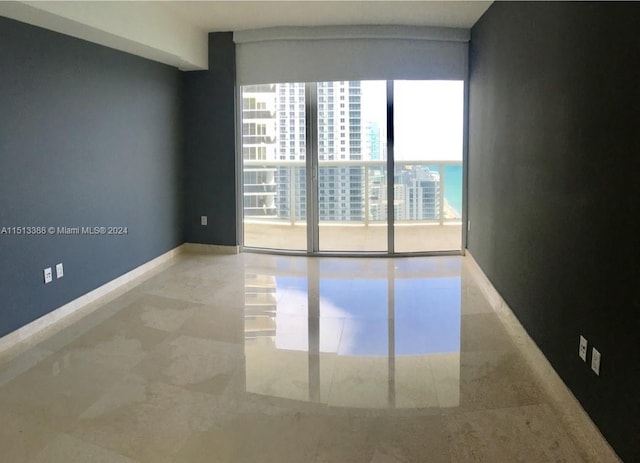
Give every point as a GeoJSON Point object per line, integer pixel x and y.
{"type": "Point", "coordinates": [356, 238]}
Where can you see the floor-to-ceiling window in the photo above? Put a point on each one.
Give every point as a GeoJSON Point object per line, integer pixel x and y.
{"type": "Point", "coordinates": [351, 139]}
{"type": "Point", "coordinates": [315, 161]}
{"type": "Point", "coordinates": [352, 171]}
{"type": "Point", "coordinates": [273, 166]}
{"type": "Point", "coordinates": [428, 130]}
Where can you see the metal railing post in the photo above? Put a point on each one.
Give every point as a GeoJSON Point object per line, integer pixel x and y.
{"type": "Point", "coordinates": [366, 196]}
{"type": "Point", "coordinates": [441, 193]}
{"type": "Point", "coordinates": [292, 195]}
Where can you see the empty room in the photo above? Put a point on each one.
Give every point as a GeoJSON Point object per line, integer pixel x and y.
{"type": "Point", "coordinates": [319, 231]}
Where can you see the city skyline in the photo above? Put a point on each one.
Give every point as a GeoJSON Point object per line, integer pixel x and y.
{"type": "Point", "coordinates": [351, 126]}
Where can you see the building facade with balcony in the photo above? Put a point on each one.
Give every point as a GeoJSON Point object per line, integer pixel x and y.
{"type": "Point", "coordinates": [258, 144]}
{"type": "Point", "coordinates": [274, 130]}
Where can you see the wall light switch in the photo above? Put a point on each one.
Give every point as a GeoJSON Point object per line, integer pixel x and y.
{"type": "Point", "coordinates": [595, 361]}
{"type": "Point", "coordinates": [48, 277]}
{"type": "Point", "coordinates": [203, 220]}
{"type": "Point", "coordinates": [59, 270]}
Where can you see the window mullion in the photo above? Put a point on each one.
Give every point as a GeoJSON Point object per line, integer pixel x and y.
{"type": "Point", "coordinates": [311, 160]}
{"type": "Point", "coordinates": [390, 171]}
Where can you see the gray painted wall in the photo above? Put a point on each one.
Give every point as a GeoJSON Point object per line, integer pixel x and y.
{"type": "Point", "coordinates": [89, 136]}
{"type": "Point", "coordinates": [553, 189]}
{"type": "Point", "coordinates": [209, 146]}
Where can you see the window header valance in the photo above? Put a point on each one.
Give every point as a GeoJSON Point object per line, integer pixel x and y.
{"type": "Point", "coordinates": [437, 34]}
{"type": "Point", "coordinates": [308, 54]}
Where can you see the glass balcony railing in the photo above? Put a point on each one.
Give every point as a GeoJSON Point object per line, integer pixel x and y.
{"type": "Point", "coordinates": [354, 192]}
{"type": "Point", "coordinates": [258, 140]}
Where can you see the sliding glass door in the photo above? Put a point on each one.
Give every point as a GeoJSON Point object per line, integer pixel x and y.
{"type": "Point", "coordinates": [351, 165]}
{"type": "Point", "coordinates": [315, 159]}
{"type": "Point", "coordinates": [428, 118]}
{"type": "Point", "coordinates": [274, 166]}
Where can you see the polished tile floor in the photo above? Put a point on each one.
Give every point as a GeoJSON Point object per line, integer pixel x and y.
{"type": "Point", "coordinates": [259, 358]}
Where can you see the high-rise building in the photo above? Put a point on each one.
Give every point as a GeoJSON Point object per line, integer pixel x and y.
{"type": "Point", "coordinates": [281, 192]}
{"type": "Point", "coordinates": [416, 193]}
{"type": "Point", "coordinates": [422, 194]}
{"type": "Point", "coordinates": [291, 198]}
{"type": "Point", "coordinates": [258, 144]}
{"type": "Point", "coordinates": [341, 187]}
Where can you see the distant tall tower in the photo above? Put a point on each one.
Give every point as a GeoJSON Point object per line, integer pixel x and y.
{"type": "Point", "coordinates": [291, 198]}
{"type": "Point", "coordinates": [372, 141]}
{"type": "Point", "coordinates": [339, 140]}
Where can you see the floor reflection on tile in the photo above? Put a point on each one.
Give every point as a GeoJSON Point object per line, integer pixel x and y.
{"type": "Point", "coordinates": [261, 358]}
{"type": "Point", "coordinates": [383, 318]}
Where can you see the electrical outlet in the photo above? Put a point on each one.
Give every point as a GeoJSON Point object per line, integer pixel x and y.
{"type": "Point", "coordinates": [59, 270]}
{"type": "Point", "coordinates": [582, 350]}
{"type": "Point", "coordinates": [203, 220]}
{"type": "Point", "coordinates": [48, 276]}
{"type": "Point", "coordinates": [595, 361]}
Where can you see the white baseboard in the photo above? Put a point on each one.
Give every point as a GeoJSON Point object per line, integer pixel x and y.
{"type": "Point", "coordinates": [574, 416]}
{"type": "Point", "coordinates": [83, 304]}
{"type": "Point", "coordinates": [198, 248]}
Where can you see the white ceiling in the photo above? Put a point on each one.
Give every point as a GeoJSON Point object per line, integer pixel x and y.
{"type": "Point", "coordinates": [175, 32]}
{"type": "Point", "coordinates": [215, 16]}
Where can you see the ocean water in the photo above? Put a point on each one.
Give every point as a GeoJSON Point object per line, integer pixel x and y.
{"type": "Point", "coordinates": [453, 187]}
